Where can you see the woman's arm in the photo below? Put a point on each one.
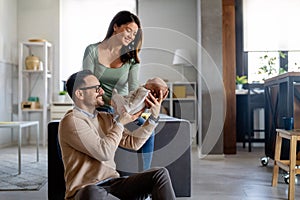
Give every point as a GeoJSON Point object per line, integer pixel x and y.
{"type": "Point", "coordinates": [133, 81]}
{"type": "Point", "coordinates": [89, 57]}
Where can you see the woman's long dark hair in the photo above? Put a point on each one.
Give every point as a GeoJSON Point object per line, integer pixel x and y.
{"type": "Point", "coordinates": [132, 50]}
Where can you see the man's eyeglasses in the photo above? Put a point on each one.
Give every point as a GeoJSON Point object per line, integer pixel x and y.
{"type": "Point", "coordinates": [97, 87]}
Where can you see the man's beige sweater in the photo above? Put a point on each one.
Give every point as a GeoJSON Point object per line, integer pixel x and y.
{"type": "Point", "coordinates": [88, 147]}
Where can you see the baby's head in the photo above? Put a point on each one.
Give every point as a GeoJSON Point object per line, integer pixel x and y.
{"type": "Point", "coordinates": [155, 85]}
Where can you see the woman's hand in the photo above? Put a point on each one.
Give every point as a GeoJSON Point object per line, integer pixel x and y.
{"type": "Point", "coordinates": [155, 103]}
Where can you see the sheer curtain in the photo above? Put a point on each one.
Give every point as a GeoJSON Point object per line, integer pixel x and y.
{"type": "Point", "coordinates": [271, 25]}
{"type": "Point", "coordinates": [84, 22]}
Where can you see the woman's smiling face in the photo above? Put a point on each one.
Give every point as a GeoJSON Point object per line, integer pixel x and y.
{"type": "Point", "coordinates": [126, 33]}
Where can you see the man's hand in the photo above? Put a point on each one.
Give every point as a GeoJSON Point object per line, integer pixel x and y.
{"type": "Point", "coordinates": [165, 95]}
{"type": "Point", "coordinates": [139, 113]}
{"type": "Point", "coordinates": [125, 118]}
{"type": "Point", "coordinates": [155, 103]}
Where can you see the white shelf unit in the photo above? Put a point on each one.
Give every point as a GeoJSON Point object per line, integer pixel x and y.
{"type": "Point", "coordinates": [35, 83]}
{"type": "Point", "coordinates": [182, 102]}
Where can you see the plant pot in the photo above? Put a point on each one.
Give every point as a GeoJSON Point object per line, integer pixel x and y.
{"type": "Point", "coordinates": [61, 98]}
{"type": "Point", "coordinates": [239, 86]}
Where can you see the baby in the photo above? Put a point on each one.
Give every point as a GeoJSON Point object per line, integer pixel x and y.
{"type": "Point", "coordinates": [135, 101]}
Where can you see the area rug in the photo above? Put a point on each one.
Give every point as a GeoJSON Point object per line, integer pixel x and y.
{"type": "Point", "coordinates": [33, 174]}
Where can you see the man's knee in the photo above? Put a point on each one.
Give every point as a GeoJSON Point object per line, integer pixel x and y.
{"type": "Point", "coordinates": [91, 192]}
{"type": "Point", "coordinates": [162, 174]}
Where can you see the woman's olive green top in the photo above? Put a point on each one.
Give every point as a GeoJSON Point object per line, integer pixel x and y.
{"type": "Point", "coordinates": [124, 78]}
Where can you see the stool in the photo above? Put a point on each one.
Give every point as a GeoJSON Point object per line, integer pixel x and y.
{"type": "Point", "coordinates": [287, 165]}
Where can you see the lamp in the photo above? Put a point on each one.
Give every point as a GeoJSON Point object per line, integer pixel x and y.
{"type": "Point", "coordinates": [182, 57]}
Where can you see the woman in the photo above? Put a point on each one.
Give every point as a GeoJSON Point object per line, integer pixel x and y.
{"type": "Point", "coordinates": [116, 63]}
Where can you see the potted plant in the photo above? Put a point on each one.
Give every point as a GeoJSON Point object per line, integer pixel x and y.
{"type": "Point", "coordinates": [240, 81]}
{"type": "Point", "coordinates": [62, 92]}
{"type": "Point", "coordinates": [62, 96]}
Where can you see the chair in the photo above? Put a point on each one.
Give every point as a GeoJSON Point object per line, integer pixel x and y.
{"type": "Point", "coordinates": [255, 101]}
{"type": "Point", "coordinates": [56, 182]}
{"type": "Point", "coordinates": [289, 165]}
{"type": "Point", "coordinates": [173, 136]}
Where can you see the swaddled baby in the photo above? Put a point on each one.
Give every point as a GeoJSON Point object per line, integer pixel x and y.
{"type": "Point", "coordinates": [135, 100]}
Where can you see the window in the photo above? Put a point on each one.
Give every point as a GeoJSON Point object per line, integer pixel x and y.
{"type": "Point", "coordinates": [294, 61]}
{"type": "Point", "coordinates": [270, 27]}
{"type": "Point", "coordinates": [262, 65]}
{"type": "Point", "coordinates": [85, 22]}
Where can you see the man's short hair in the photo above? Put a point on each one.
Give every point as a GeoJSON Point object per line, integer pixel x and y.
{"type": "Point", "coordinates": [76, 81]}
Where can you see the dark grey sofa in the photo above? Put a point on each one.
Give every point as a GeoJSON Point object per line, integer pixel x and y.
{"type": "Point", "coordinates": [172, 150]}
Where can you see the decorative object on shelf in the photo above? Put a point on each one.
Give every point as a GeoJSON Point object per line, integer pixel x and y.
{"type": "Point", "coordinates": [32, 62]}
{"type": "Point", "coordinates": [179, 91]}
{"type": "Point", "coordinates": [31, 103]}
{"type": "Point", "coordinates": [62, 96]}
{"type": "Point", "coordinates": [37, 40]}
{"type": "Point", "coordinates": [34, 99]}
{"type": "Point", "coordinates": [41, 66]}
{"type": "Point", "coordinates": [182, 57]}
{"type": "Point", "coordinates": [240, 81]}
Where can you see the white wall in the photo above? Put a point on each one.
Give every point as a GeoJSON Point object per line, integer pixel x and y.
{"type": "Point", "coordinates": [168, 25]}
{"type": "Point", "coordinates": [8, 29]}
{"type": "Point", "coordinates": [8, 60]}
{"type": "Point", "coordinates": [40, 19]}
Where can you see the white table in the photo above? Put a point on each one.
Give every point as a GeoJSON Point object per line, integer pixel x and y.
{"type": "Point", "coordinates": [20, 125]}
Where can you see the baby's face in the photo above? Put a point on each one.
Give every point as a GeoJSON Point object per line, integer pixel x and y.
{"type": "Point", "coordinates": [155, 88]}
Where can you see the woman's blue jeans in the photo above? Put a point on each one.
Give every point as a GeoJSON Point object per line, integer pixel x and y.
{"type": "Point", "coordinates": [146, 151]}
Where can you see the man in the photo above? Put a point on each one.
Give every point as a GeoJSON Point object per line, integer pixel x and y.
{"type": "Point", "coordinates": [89, 140]}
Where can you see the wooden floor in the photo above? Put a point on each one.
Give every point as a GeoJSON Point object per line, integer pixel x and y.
{"type": "Point", "coordinates": [234, 177]}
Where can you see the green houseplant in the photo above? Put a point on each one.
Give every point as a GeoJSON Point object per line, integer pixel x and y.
{"type": "Point", "coordinates": [62, 96]}
{"type": "Point", "coordinates": [240, 81]}
{"type": "Point", "coordinates": [62, 92]}
{"type": "Point", "coordinates": [268, 67]}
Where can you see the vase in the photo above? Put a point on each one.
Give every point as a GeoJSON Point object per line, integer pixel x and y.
{"type": "Point", "coordinates": [239, 86]}
{"type": "Point", "coordinates": [61, 98]}
{"type": "Point", "coordinates": [32, 62]}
